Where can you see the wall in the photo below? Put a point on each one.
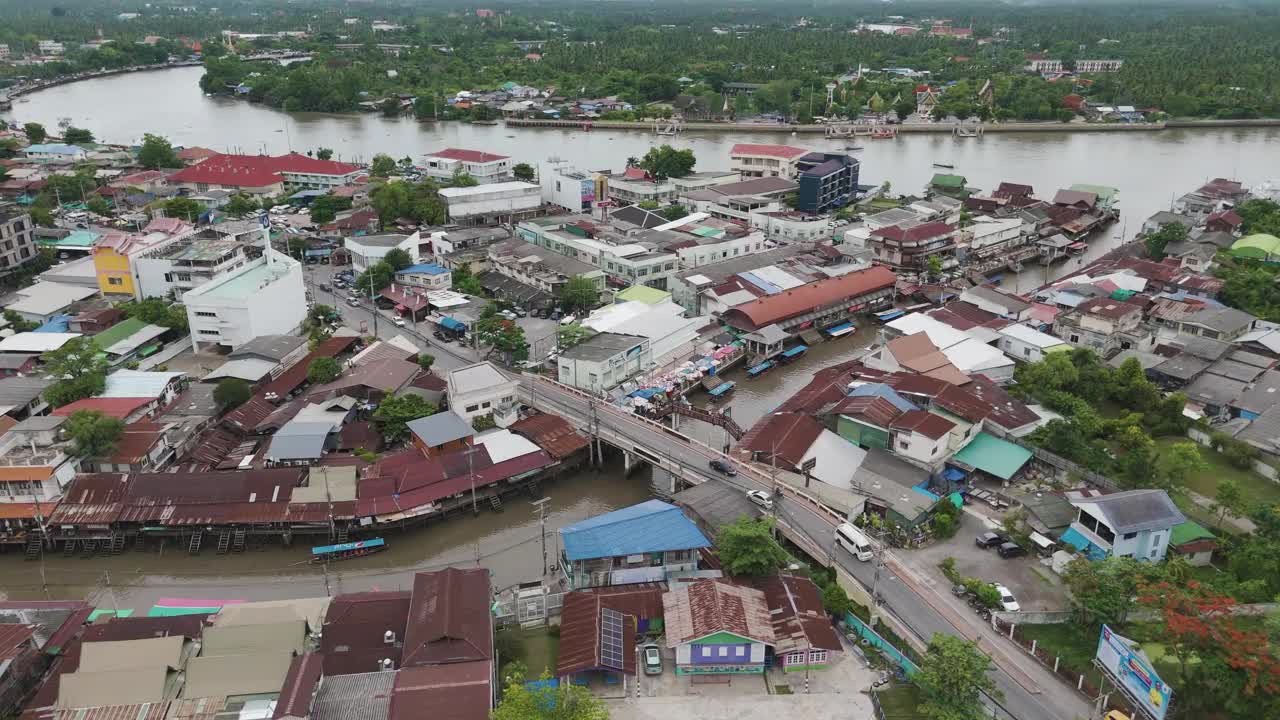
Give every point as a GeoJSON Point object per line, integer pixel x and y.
{"type": "Point", "coordinates": [111, 265]}
{"type": "Point", "coordinates": [279, 308]}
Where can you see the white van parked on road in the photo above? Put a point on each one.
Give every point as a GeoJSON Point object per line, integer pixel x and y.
{"type": "Point", "coordinates": [851, 538]}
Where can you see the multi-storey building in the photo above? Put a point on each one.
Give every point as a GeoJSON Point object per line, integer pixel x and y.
{"type": "Point", "coordinates": [827, 180]}
{"type": "Point", "coordinates": [755, 160]}
{"type": "Point", "coordinates": [264, 297]}
{"type": "Point", "coordinates": [485, 167]}
{"type": "Point", "coordinates": [17, 238]}
{"type": "Point", "coordinates": [1098, 66]}
{"type": "Point", "coordinates": [909, 248]}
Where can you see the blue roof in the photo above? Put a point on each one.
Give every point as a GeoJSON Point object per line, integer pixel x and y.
{"type": "Point", "coordinates": [424, 269]}
{"type": "Point", "coordinates": [652, 526]}
{"type": "Point", "coordinates": [451, 324]}
{"type": "Point", "coordinates": [56, 324]}
{"type": "Point", "coordinates": [793, 352]}
{"type": "Point", "coordinates": [884, 391]}
{"type": "Point", "coordinates": [54, 148]}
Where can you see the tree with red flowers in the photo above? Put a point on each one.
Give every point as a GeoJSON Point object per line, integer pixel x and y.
{"type": "Point", "coordinates": [1221, 667]}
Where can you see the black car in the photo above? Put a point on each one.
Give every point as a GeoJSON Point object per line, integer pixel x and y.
{"type": "Point", "coordinates": [723, 468]}
{"type": "Point", "coordinates": [1011, 550]}
{"type": "Point", "coordinates": [988, 540]}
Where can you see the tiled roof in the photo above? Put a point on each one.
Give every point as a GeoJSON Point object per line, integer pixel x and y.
{"type": "Point", "coordinates": [449, 619]}
{"type": "Point", "coordinates": [782, 151]}
{"type": "Point", "coordinates": [925, 423]}
{"type": "Point", "coordinates": [805, 298]}
{"type": "Point", "coordinates": [257, 170]}
{"type": "Point", "coordinates": [117, 407]}
{"type": "Point", "coordinates": [914, 233]}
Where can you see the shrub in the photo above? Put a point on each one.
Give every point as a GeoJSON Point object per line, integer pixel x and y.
{"type": "Point", "coordinates": [948, 567]}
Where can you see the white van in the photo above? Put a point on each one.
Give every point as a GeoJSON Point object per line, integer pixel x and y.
{"type": "Point", "coordinates": [851, 538]}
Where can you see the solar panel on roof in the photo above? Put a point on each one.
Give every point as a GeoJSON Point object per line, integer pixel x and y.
{"type": "Point", "coordinates": [611, 627]}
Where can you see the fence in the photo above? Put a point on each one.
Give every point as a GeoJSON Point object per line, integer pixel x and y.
{"type": "Point", "coordinates": [874, 639]}
{"type": "Point", "coordinates": [1065, 465]}
{"type": "Point", "coordinates": [530, 610]}
{"type": "Point", "coordinates": [1084, 682]}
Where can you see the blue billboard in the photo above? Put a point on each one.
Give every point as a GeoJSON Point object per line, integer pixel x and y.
{"type": "Point", "coordinates": [1121, 658]}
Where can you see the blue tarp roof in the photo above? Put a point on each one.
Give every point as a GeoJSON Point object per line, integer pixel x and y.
{"type": "Point", "coordinates": [57, 323]}
{"type": "Point", "coordinates": [647, 393]}
{"type": "Point", "coordinates": [451, 324]}
{"type": "Point", "coordinates": [424, 269]}
{"type": "Point", "coordinates": [884, 391]}
{"type": "Point", "coordinates": [953, 474]}
{"type": "Point", "coordinates": [652, 526]}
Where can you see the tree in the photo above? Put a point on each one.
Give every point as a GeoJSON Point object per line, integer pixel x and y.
{"type": "Point", "coordinates": [480, 423]}
{"type": "Point", "coordinates": [382, 166]}
{"type": "Point", "coordinates": [836, 601]}
{"type": "Point", "coordinates": [1158, 240]}
{"type": "Point", "coordinates": [464, 281]}
{"type": "Point", "coordinates": [92, 433]}
{"type": "Point", "coordinates": [504, 335]}
{"type": "Point", "coordinates": [17, 323]}
{"type": "Point", "coordinates": [77, 136]}
{"type": "Point", "coordinates": [1178, 462]}
{"type": "Point", "coordinates": [425, 361]}
{"type": "Point", "coordinates": [35, 132]}
{"type": "Point", "coordinates": [80, 370]}
{"type": "Point", "coordinates": [674, 212]}
{"type": "Point", "coordinates": [397, 411]}
{"type": "Point", "coordinates": [933, 267]}
{"type": "Point", "coordinates": [240, 205]}
{"type": "Point", "coordinates": [156, 153]}
{"type": "Point", "coordinates": [746, 546]}
{"type": "Point", "coordinates": [231, 393]}
{"type": "Point", "coordinates": [376, 277]}
{"type": "Point", "coordinates": [667, 162]}
{"type": "Point", "coordinates": [183, 208]}
{"type": "Point", "coordinates": [1219, 665]}
{"type": "Point", "coordinates": [325, 208]}
{"type": "Point", "coordinates": [569, 335]}
{"type": "Point", "coordinates": [1101, 592]}
{"type": "Point", "coordinates": [904, 108]}
{"type": "Point", "coordinates": [565, 701]}
{"type": "Point", "coordinates": [523, 171]}
{"type": "Point", "coordinates": [952, 678]}
{"type": "Point", "coordinates": [398, 259]}
{"type": "Point", "coordinates": [390, 107]}
{"type": "Point", "coordinates": [579, 294]}
{"type": "Point", "coordinates": [461, 178]}
{"type": "Point", "coordinates": [99, 206]}
{"type": "Point", "coordinates": [1228, 499]}
{"type": "Point", "coordinates": [156, 311]}
{"type": "Point", "coordinates": [323, 370]}
{"type": "Point", "coordinates": [324, 153]}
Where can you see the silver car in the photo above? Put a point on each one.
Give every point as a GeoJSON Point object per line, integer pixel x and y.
{"type": "Point", "coordinates": [652, 660]}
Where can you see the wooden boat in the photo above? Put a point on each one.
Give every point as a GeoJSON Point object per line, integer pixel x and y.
{"type": "Point", "coordinates": [944, 165]}
{"type": "Point", "coordinates": [760, 369]}
{"type": "Point", "coordinates": [794, 353]}
{"type": "Point", "coordinates": [1077, 248]}
{"type": "Point", "coordinates": [718, 388]}
{"type": "Point", "coordinates": [853, 148]}
{"type": "Point", "coordinates": [347, 551]}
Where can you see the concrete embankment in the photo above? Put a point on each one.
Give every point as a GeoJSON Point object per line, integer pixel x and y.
{"type": "Point", "coordinates": [936, 128]}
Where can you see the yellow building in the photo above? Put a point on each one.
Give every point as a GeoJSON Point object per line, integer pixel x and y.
{"type": "Point", "coordinates": [111, 263]}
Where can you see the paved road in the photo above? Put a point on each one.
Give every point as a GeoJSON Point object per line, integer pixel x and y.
{"type": "Point", "coordinates": [1030, 691]}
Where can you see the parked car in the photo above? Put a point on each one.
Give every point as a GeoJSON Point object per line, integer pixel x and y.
{"type": "Point", "coordinates": [399, 321]}
{"type": "Point", "coordinates": [507, 314]}
{"type": "Point", "coordinates": [324, 287]}
{"type": "Point", "coordinates": [353, 302]}
{"type": "Point", "coordinates": [519, 312]}
{"type": "Point", "coordinates": [1007, 600]}
{"type": "Point", "coordinates": [988, 540]}
{"type": "Point", "coordinates": [568, 320]}
{"type": "Point", "coordinates": [555, 315]}
{"type": "Point", "coordinates": [1011, 550]}
{"type": "Point", "coordinates": [723, 468]}
{"type": "Point", "coordinates": [652, 659]}
{"type": "Point", "coordinates": [760, 498]}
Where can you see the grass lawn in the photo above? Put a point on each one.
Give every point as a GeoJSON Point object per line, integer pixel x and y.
{"type": "Point", "coordinates": [1255, 487]}
{"type": "Point", "coordinates": [541, 649]}
{"type": "Point", "coordinates": [899, 702]}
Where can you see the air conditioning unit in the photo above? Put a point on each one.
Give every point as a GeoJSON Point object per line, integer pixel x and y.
{"type": "Point", "coordinates": [389, 637]}
{"type": "Point", "coordinates": [387, 664]}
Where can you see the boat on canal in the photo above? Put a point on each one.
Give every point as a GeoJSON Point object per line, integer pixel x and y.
{"type": "Point", "coordinates": [347, 550]}
{"type": "Point", "coordinates": [794, 353]}
{"type": "Point", "coordinates": [762, 368]}
{"type": "Point", "coordinates": [944, 165]}
{"type": "Point", "coordinates": [718, 387]}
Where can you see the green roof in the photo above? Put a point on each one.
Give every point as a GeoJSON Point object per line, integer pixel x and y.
{"type": "Point", "coordinates": [77, 238]}
{"type": "Point", "coordinates": [644, 294]}
{"type": "Point", "coordinates": [1189, 531]}
{"type": "Point", "coordinates": [990, 454]}
{"type": "Point", "coordinates": [122, 330]}
{"type": "Point", "coordinates": [945, 180]}
{"type": "Point", "coordinates": [1258, 245]}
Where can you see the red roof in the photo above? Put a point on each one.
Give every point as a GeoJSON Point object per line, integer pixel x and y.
{"type": "Point", "coordinates": [257, 170]}
{"type": "Point", "coordinates": [15, 638]}
{"type": "Point", "coordinates": [299, 686]}
{"type": "Point", "coordinates": [806, 298]}
{"type": "Point", "coordinates": [788, 435]}
{"type": "Point", "coordinates": [195, 153]}
{"type": "Point", "coordinates": [449, 619]}
{"type": "Point", "coordinates": [551, 433]}
{"type": "Point", "coordinates": [925, 423]}
{"type": "Point", "coordinates": [580, 624]}
{"type": "Point", "coordinates": [352, 640]}
{"type": "Point", "coordinates": [1106, 307]}
{"type": "Point", "coordinates": [782, 151]}
{"type": "Point", "coordinates": [475, 156]}
{"type": "Point", "coordinates": [915, 233]}
{"type": "Point", "coordinates": [119, 408]}
{"type": "Point", "coordinates": [457, 691]}
{"type": "Point", "coordinates": [799, 620]}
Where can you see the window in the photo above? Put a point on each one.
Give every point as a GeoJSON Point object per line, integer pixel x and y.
{"type": "Point", "coordinates": [205, 313]}
{"type": "Point", "coordinates": [1130, 536]}
{"type": "Point", "coordinates": [795, 658]}
{"type": "Point", "coordinates": [472, 408]}
{"type": "Point", "coordinates": [817, 656]}
{"type": "Point", "coordinates": [740, 651]}
{"type": "Point", "coordinates": [485, 405]}
{"type": "Point", "coordinates": [115, 281]}
{"type": "Point", "coordinates": [706, 652]}
{"type": "Point", "coordinates": [208, 332]}
{"type": "Point", "coordinates": [724, 652]}
{"type": "Point", "coordinates": [904, 445]}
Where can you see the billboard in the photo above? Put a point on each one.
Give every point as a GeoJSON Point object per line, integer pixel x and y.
{"type": "Point", "coordinates": [1121, 659]}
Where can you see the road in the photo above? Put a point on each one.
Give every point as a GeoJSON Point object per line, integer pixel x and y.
{"type": "Point", "coordinates": [1031, 692]}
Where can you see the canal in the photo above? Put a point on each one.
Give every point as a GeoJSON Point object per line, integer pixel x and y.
{"type": "Point", "coordinates": [508, 543]}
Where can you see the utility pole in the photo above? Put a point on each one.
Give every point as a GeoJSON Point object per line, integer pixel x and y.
{"type": "Point", "coordinates": [541, 505]}
{"type": "Point", "coordinates": [471, 475]}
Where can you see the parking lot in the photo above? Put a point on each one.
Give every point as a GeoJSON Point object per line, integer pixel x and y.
{"type": "Point", "coordinates": [1035, 585]}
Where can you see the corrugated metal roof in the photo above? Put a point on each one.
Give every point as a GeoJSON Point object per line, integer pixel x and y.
{"type": "Point", "coordinates": [552, 433]}
{"type": "Point", "coordinates": [652, 526]}
{"type": "Point", "coordinates": [799, 620]}
{"type": "Point", "coordinates": [443, 427]}
{"type": "Point", "coordinates": [704, 607]}
{"type": "Point", "coordinates": [220, 676]}
{"type": "Point", "coordinates": [449, 619]}
{"type": "Point", "coordinates": [580, 623]}
{"type": "Point", "coordinates": [456, 691]}
{"type": "Point", "coordinates": [363, 696]}
{"type": "Point", "coordinates": [15, 638]}
{"type": "Point", "coordinates": [355, 625]}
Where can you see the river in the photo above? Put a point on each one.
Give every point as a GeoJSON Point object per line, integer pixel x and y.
{"type": "Point", "coordinates": [1149, 168]}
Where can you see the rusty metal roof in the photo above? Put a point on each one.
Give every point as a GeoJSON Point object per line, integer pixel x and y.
{"type": "Point", "coordinates": [704, 607]}
{"type": "Point", "coordinates": [15, 639]}
{"type": "Point", "coordinates": [580, 623]}
{"type": "Point", "coordinates": [456, 691]}
{"type": "Point", "coordinates": [353, 638]}
{"type": "Point", "coordinates": [799, 620]}
{"type": "Point", "coordinates": [449, 618]}
{"type": "Point", "coordinates": [551, 433]}
{"type": "Point", "coordinates": [299, 686]}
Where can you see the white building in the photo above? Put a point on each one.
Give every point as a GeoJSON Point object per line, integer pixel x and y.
{"type": "Point", "coordinates": [670, 333]}
{"type": "Point", "coordinates": [569, 188]}
{"type": "Point", "coordinates": [1044, 65]}
{"type": "Point", "coordinates": [791, 225]}
{"type": "Point", "coordinates": [37, 462]}
{"type": "Point", "coordinates": [993, 301]}
{"type": "Point", "coordinates": [605, 361]}
{"type": "Point", "coordinates": [265, 297]}
{"type": "Point", "coordinates": [754, 160]}
{"type": "Point", "coordinates": [429, 276]}
{"type": "Point", "coordinates": [1028, 345]}
{"type": "Point", "coordinates": [480, 389]}
{"type": "Point", "coordinates": [50, 47]}
{"type": "Point", "coordinates": [185, 263]}
{"type": "Point", "coordinates": [1098, 66]}
{"type": "Point", "coordinates": [1133, 523]}
{"type": "Point", "coordinates": [39, 303]}
{"type": "Point", "coordinates": [485, 167]}
{"type": "Point", "coordinates": [922, 436]}
{"type": "Point", "coordinates": [493, 203]}
{"type": "Point", "coordinates": [59, 152]}
{"type": "Point", "coordinates": [367, 250]}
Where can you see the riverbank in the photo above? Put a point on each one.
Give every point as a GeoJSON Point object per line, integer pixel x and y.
{"type": "Point", "coordinates": [931, 128]}
{"type": "Point", "coordinates": [18, 91]}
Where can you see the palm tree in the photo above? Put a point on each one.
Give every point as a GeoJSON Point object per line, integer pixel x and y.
{"type": "Point", "coordinates": [633, 161]}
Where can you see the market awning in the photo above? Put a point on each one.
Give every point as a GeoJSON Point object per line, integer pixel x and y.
{"type": "Point", "coordinates": [841, 329]}
{"type": "Point", "coordinates": [889, 315]}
